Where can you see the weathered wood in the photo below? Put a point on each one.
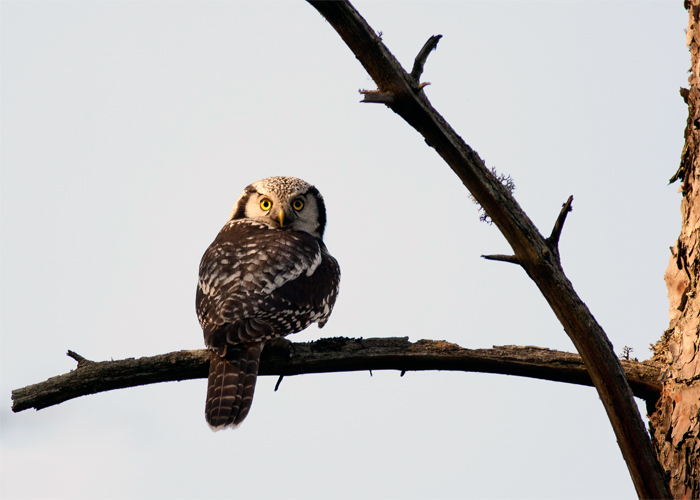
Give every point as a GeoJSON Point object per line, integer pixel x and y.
{"type": "Point", "coordinates": [675, 425]}
{"type": "Point", "coordinates": [531, 249]}
{"type": "Point", "coordinates": [331, 355]}
{"type": "Point", "coordinates": [422, 56]}
{"type": "Point", "coordinates": [553, 239]}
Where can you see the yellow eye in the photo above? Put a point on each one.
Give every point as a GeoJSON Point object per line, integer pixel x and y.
{"type": "Point", "coordinates": [297, 205]}
{"type": "Point", "coordinates": [265, 204]}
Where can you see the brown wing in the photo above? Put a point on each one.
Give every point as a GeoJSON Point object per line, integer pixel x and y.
{"type": "Point", "coordinates": [256, 283]}
{"type": "Point", "coordinates": [240, 278]}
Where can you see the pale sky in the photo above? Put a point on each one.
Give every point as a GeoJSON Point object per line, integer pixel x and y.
{"type": "Point", "coordinates": [129, 129]}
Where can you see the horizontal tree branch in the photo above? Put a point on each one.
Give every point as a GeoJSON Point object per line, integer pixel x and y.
{"type": "Point", "coordinates": [331, 355]}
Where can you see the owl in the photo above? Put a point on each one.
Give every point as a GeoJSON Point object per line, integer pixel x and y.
{"type": "Point", "coordinates": [266, 275]}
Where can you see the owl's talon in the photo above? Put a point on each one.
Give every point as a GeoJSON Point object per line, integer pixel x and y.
{"type": "Point", "coordinates": [281, 344]}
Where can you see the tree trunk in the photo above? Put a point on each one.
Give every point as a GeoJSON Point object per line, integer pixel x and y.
{"type": "Point", "coordinates": [675, 423]}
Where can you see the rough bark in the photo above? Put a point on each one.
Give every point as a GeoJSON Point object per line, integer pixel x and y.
{"type": "Point", "coordinates": [539, 257]}
{"type": "Point", "coordinates": [675, 425]}
{"type": "Point", "coordinates": [332, 355]}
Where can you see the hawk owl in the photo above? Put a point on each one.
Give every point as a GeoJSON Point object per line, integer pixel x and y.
{"type": "Point", "coordinates": [266, 275]}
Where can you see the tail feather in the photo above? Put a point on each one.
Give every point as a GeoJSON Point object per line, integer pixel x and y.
{"type": "Point", "coordinates": [232, 384]}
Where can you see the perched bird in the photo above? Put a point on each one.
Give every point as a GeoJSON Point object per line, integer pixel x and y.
{"type": "Point", "coordinates": [266, 275]}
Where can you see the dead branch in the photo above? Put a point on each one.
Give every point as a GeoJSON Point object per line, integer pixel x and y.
{"type": "Point", "coordinates": [377, 97]}
{"type": "Point", "coordinates": [331, 355]}
{"type": "Point", "coordinates": [553, 239]}
{"type": "Point", "coordinates": [502, 258]}
{"type": "Point", "coordinates": [422, 57]}
{"type": "Point", "coordinates": [529, 246]}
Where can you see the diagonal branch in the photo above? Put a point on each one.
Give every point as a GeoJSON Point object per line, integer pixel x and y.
{"type": "Point", "coordinates": [331, 355]}
{"type": "Point", "coordinates": [529, 246]}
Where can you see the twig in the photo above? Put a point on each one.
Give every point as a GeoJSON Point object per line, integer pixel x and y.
{"type": "Point", "coordinates": [503, 258]}
{"type": "Point", "coordinates": [553, 239]}
{"type": "Point", "coordinates": [422, 56]}
{"type": "Point", "coordinates": [81, 360]}
{"type": "Point", "coordinates": [333, 355]}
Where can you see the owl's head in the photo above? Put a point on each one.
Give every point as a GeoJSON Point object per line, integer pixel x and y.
{"type": "Point", "coordinates": [286, 202]}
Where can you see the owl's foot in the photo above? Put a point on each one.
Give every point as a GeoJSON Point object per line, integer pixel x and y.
{"type": "Point", "coordinates": [281, 345]}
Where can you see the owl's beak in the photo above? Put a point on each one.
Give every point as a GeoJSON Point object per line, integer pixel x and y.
{"type": "Point", "coordinates": [281, 216]}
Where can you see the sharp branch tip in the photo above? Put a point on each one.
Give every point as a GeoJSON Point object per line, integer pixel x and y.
{"type": "Point", "coordinates": [422, 56]}
{"type": "Point", "coordinates": [81, 360]}
{"type": "Point", "coordinates": [553, 239]}
{"type": "Point", "coordinates": [502, 258]}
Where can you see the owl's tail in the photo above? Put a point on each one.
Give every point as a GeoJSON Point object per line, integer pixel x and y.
{"type": "Point", "coordinates": [231, 385]}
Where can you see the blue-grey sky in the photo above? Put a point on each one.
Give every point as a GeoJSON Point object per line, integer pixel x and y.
{"type": "Point", "coordinates": [129, 129]}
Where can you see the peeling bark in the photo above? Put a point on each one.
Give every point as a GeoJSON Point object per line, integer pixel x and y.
{"type": "Point", "coordinates": [675, 425]}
